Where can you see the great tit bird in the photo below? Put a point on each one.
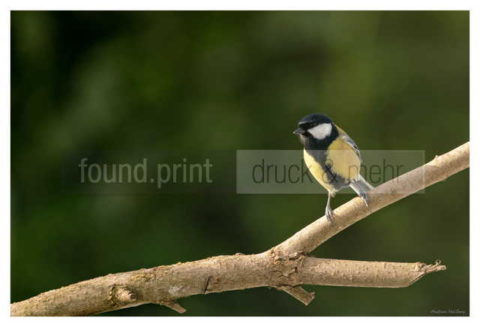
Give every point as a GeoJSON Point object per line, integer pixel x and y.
{"type": "Point", "coordinates": [332, 157]}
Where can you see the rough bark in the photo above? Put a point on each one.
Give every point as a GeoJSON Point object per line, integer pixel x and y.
{"type": "Point", "coordinates": [165, 284]}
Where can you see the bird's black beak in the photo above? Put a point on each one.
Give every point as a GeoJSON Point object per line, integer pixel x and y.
{"type": "Point", "coordinates": [298, 131]}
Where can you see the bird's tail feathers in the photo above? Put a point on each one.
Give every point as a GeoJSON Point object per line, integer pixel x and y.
{"type": "Point", "coordinates": [361, 186]}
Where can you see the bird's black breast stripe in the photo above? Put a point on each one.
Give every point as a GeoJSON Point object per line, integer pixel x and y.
{"type": "Point", "coordinates": [318, 150]}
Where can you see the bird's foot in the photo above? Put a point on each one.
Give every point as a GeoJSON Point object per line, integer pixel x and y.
{"type": "Point", "coordinates": [364, 197]}
{"type": "Point", "coordinates": [329, 215]}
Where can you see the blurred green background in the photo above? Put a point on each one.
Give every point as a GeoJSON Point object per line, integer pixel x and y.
{"type": "Point", "coordinates": [121, 86]}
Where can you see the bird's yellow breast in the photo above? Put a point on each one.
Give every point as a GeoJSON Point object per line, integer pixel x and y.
{"type": "Point", "coordinates": [317, 171]}
{"type": "Point", "coordinates": [343, 159]}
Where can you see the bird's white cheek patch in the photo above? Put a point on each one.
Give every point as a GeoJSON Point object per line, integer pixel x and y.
{"type": "Point", "coordinates": [321, 131]}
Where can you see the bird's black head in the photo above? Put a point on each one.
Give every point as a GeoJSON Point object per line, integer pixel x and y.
{"type": "Point", "coordinates": [315, 125]}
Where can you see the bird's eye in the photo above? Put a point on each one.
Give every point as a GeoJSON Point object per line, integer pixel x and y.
{"type": "Point", "coordinates": [306, 125]}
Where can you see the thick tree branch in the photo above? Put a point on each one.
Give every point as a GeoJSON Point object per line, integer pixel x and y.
{"type": "Point", "coordinates": [284, 267]}
{"type": "Point", "coordinates": [165, 284]}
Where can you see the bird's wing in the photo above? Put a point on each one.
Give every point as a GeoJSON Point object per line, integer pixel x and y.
{"type": "Point", "coordinates": [343, 157]}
